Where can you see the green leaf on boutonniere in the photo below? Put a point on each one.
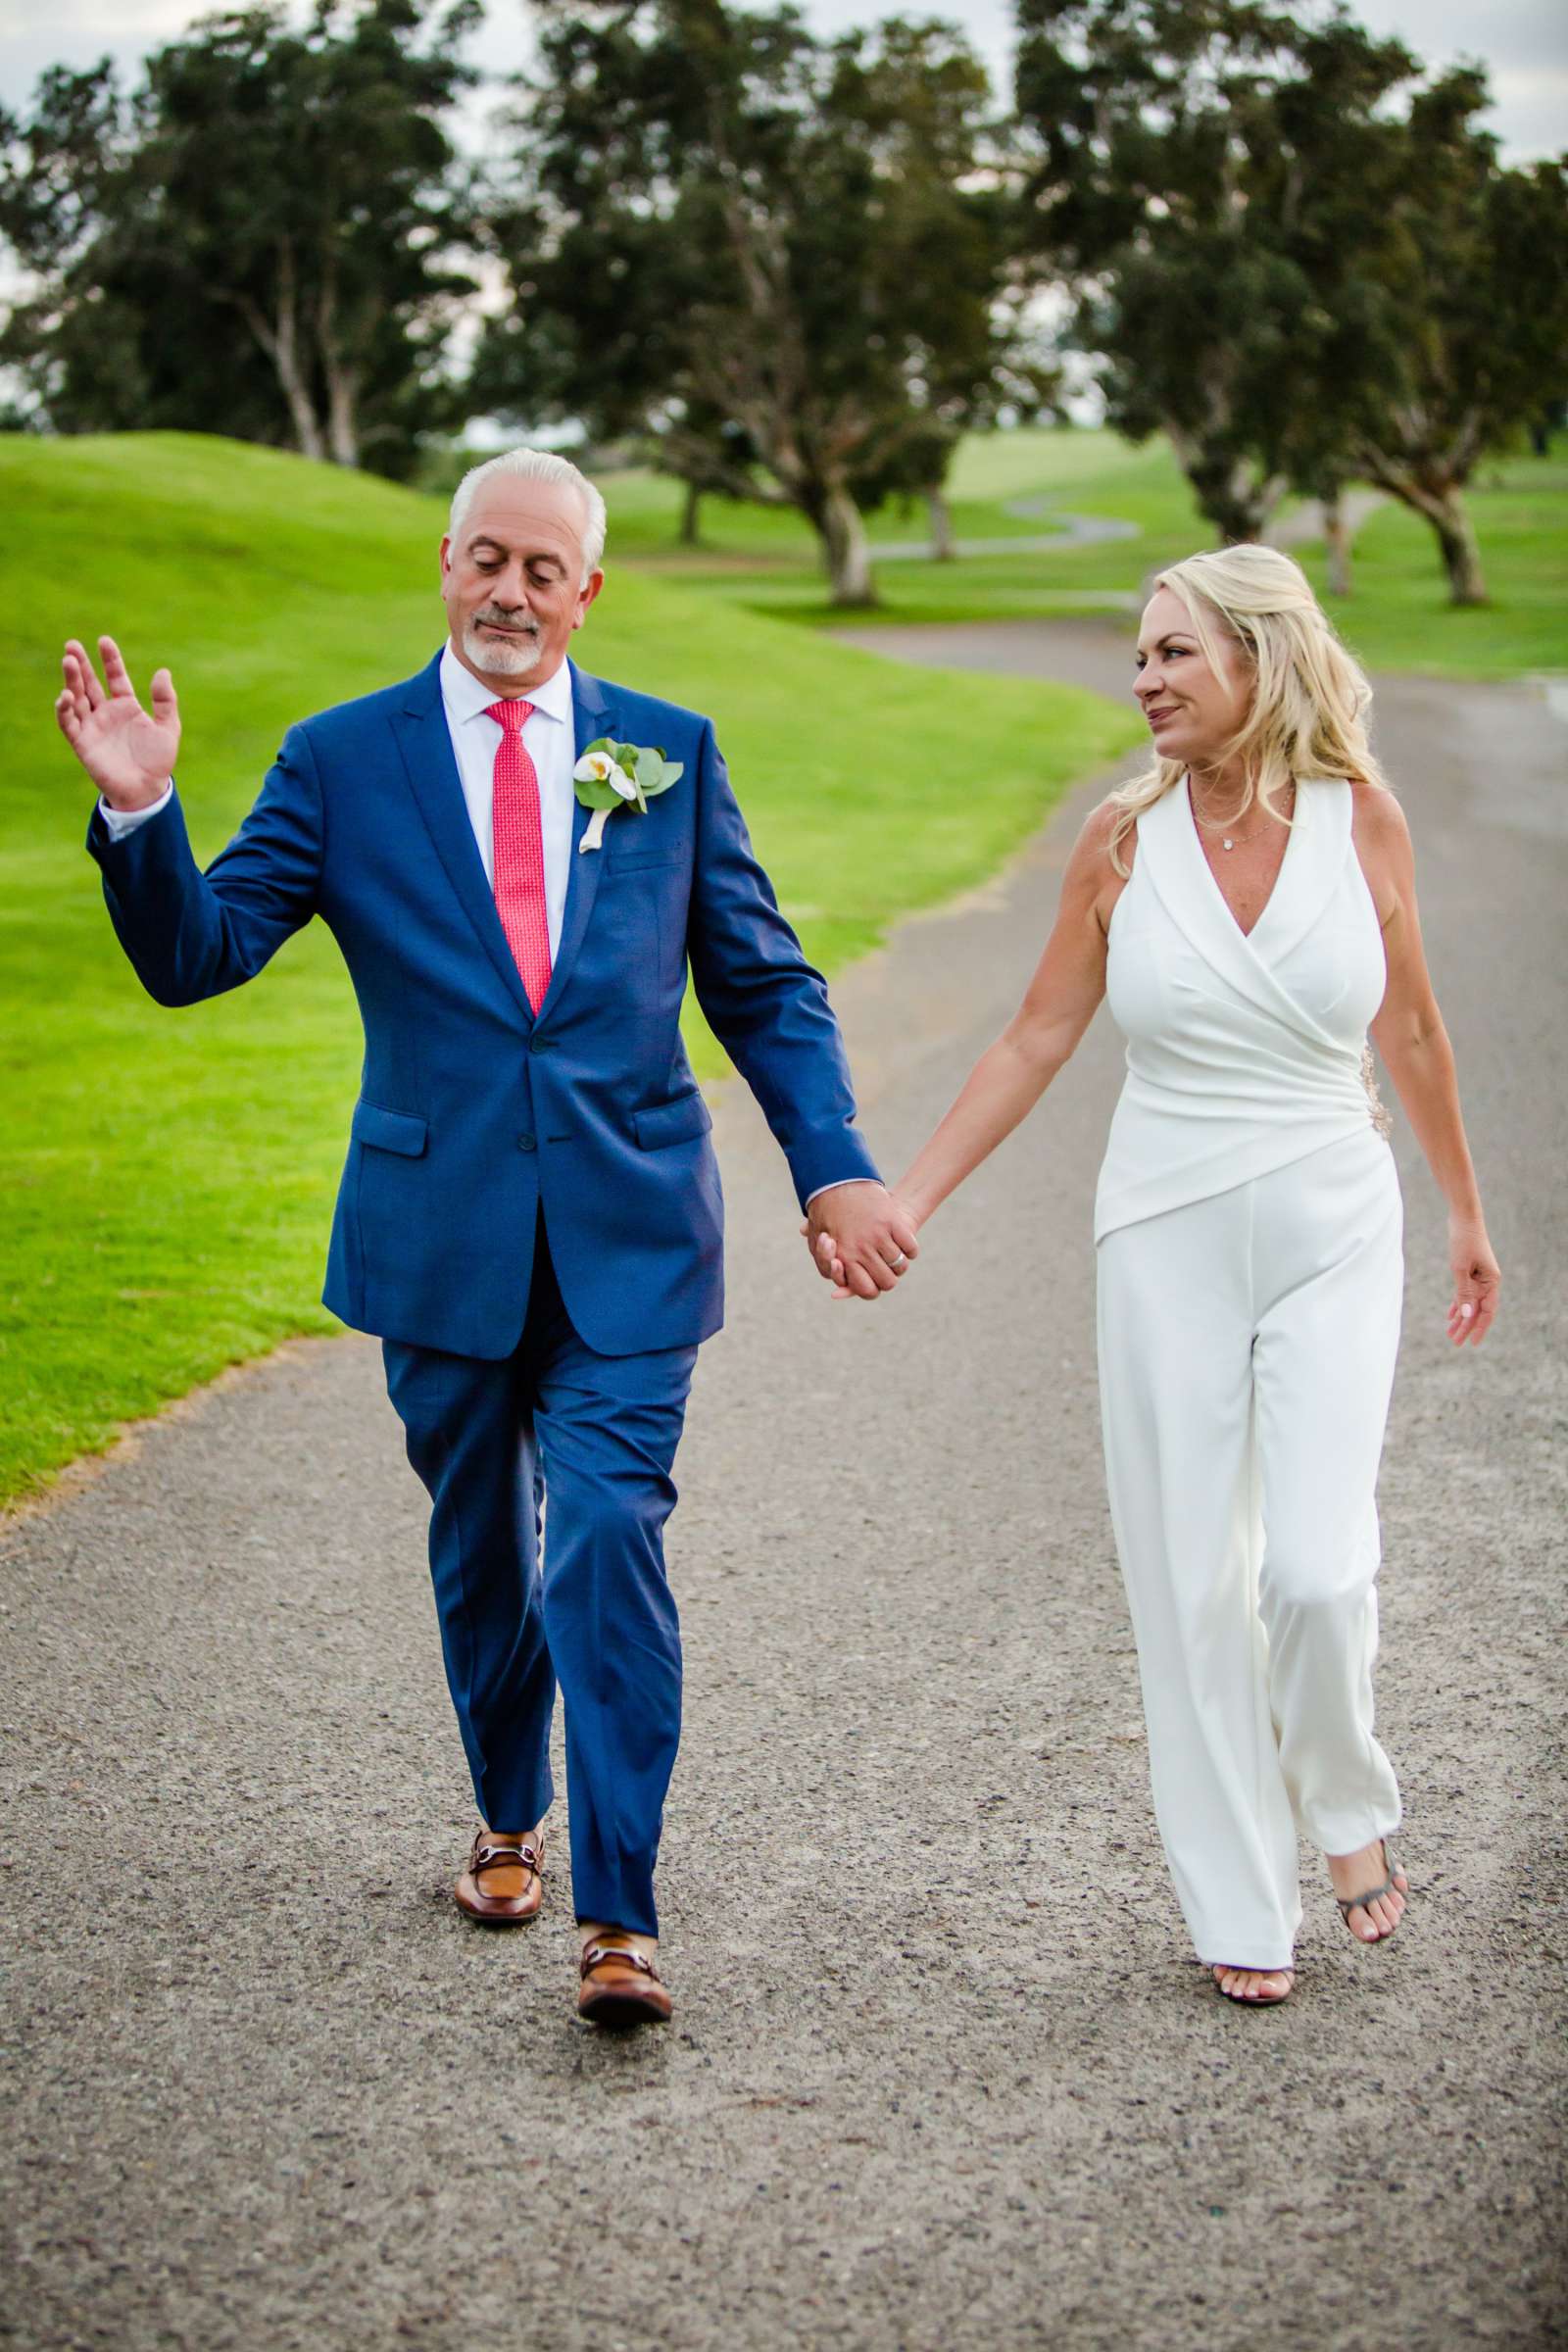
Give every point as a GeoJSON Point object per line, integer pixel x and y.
{"type": "Point", "coordinates": [609, 775]}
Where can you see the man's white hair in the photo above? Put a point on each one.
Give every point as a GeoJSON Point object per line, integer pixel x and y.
{"type": "Point", "coordinates": [538, 465]}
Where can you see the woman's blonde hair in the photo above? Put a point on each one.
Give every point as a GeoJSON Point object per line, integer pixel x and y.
{"type": "Point", "coordinates": [1307, 712]}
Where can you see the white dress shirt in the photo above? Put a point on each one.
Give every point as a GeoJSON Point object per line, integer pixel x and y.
{"type": "Point", "coordinates": [551, 739]}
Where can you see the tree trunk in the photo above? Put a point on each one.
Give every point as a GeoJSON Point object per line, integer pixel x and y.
{"type": "Point", "coordinates": [944, 546]}
{"type": "Point", "coordinates": [1461, 557]}
{"type": "Point", "coordinates": [1236, 499]}
{"type": "Point", "coordinates": [1336, 540]}
{"type": "Point", "coordinates": [342, 423]}
{"type": "Point", "coordinates": [1444, 508]}
{"type": "Point", "coordinates": [690, 513]}
{"type": "Point", "coordinates": [845, 549]}
{"type": "Point", "coordinates": [342, 380]}
{"type": "Point", "coordinates": [280, 338]}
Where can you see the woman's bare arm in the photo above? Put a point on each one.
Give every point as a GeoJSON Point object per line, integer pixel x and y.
{"type": "Point", "coordinates": [1060, 1001]}
{"type": "Point", "coordinates": [1409, 1034]}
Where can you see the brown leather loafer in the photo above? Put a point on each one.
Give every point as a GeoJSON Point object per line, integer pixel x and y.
{"type": "Point", "coordinates": [622, 1987]}
{"type": "Point", "coordinates": [490, 1854]}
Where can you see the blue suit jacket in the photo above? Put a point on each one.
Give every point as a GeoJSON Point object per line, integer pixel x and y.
{"type": "Point", "coordinates": [472, 1111]}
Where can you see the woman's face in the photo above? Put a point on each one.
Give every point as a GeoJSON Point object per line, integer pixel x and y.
{"type": "Point", "coordinates": [1194, 710]}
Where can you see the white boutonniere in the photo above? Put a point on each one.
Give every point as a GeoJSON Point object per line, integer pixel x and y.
{"type": "Point", "coordinates": [609, 775]}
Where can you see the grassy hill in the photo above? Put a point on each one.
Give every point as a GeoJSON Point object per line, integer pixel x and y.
{"type": "Point", "coordinates": [168, 1176]}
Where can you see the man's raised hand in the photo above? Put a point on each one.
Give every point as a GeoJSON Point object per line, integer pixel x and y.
{"type": "Point", "coordinates": [861, 1239]}
{"type": "Point", "coordinates": [128, 752]}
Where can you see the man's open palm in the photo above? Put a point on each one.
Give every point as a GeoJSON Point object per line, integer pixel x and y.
{"type": "Point", "coordinates": [128, 752]}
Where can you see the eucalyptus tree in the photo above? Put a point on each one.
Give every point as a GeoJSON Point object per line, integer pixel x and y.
{"type": "Point", "coordinates": [771, 252]}
{"type": "Point", "coordinates": [257, 240]}
{"type": "Point", "coordinates": [1298, 252]}
{"type": "Point", "coordinates": [1193, 167]}
{"type": "Point", "coordinates": [1470, 314]}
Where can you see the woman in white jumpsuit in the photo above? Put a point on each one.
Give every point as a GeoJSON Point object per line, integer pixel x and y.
{"type": "Point", "coordinates": [1249, 907]}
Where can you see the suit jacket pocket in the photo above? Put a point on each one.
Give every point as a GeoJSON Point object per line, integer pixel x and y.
{"type": "Point", "coordinates": [400, 1131]}
{"type": "Point", "coordinates": [638, 861]}
{"type": "Point", "coordinates": [677, 1122]}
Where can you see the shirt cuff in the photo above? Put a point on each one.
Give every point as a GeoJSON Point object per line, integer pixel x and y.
{"type": "Point", "coordinates": [837, 1186]}
{"type": "Point", "coordinates": [117, 822]}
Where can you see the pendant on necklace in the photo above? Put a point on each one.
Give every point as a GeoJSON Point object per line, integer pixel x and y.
{"type": "Point", "coordinates": [1227, 844]}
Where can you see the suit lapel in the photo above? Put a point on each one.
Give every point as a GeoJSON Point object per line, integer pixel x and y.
{"type": "Point", "coordinates": [425, 743]}
{"type": "Point", "coordinates": [592, 714]}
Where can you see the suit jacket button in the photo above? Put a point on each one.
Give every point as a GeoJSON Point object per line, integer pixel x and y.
{"type": "Point", "coordinates": [540, 1044]}
{"type": "Point", "coordinates": [527, 1143]}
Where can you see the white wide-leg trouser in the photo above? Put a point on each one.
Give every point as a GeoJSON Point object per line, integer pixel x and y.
{"type": "Point", "coordinates": [1246, 1348]}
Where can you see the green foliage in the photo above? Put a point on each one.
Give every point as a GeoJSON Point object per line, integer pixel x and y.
{"type": "Point", "coordinates": [254, 236]}
{"type": "Point", "coordinates": [770, 254]}
{"type": "Point", "coordinates": [168, 1189]}
{"type": "Point", "coordinates": [1195, 164]}
{"type": "Point", "coordinates": [1468, 318]}
{"type": "Point", "coordinates": [1304, 262]}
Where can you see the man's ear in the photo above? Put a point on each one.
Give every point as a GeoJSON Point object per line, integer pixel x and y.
{"type": "Point", "coordinates": [595, 581]}
{"type": "Point", "coordinates": [446, 554]}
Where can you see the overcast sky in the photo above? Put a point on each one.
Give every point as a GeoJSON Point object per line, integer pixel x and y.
{"type": "Point", "coordinates": [1523, 43]}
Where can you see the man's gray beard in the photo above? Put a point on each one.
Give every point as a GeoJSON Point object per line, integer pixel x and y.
{"type": "Point", "coordinates": [502, 657]}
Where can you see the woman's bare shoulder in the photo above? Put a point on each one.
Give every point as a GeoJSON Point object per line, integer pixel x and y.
{"type": "Point", "coordinates": [1093, 879]}
{"type": "Point", "coordinates": [1379, 820]}
{"type": "Point", "coordinates": [1097, 835]}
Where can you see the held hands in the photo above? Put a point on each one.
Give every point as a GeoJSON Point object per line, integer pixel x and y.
{"type": "Point", "coordinates": [861, 1239]}
{"type": "Point", "coordinates": [1476, 1281]}
{"type": "Point", "coordinates": [128, 752]}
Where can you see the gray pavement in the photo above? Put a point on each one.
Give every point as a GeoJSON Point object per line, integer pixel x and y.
{"type": "Point", "coordinates": [941, 2073]}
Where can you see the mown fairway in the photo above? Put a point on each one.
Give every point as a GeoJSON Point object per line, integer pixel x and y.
{"type": "Point", "coordinates": [1398, 617]}
{"type": "Point", "coordinates": [168, 1176]}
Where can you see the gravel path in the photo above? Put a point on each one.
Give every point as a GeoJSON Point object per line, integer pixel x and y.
{"type": "Point", "coordinates": [941, 2075]}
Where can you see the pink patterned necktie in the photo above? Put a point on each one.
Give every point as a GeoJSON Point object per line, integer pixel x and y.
{"type": "Point", "coordinates": [519, 852]}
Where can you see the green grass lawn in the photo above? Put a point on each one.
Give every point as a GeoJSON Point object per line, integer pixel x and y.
{"type": "Point", "coordinates": [1398, 617]}
{"type": "Point", "coordinates": [168, 1176]}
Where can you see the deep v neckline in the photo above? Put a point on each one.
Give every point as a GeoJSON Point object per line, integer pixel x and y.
{"type": "Point", "coordinates": [1277, 887]}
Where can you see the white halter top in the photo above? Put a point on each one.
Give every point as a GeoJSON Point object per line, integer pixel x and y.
{"type": "Point", "coordinates": [1244, 1050]}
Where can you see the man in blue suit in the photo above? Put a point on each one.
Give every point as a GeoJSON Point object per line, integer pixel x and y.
{"type": "Point", "coordinates": [529, 1216]}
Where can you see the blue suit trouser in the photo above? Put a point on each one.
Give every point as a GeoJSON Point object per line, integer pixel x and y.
{"type": "Point", "coordinates": [549, 1476]}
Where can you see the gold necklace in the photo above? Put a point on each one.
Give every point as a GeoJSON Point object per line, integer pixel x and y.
{"type": "Point", "coordinates": [1212, 825]}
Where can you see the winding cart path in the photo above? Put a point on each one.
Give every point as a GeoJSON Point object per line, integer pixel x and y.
{"type": "Point", "coordinates": [939, 2075]}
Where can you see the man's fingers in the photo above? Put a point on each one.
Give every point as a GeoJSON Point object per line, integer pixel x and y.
{"type": "Point", "coordinates": [66, 713]}
{"type": "Point", "coordinates": [81, 675]}
{"type": "Point", "coordinates": [165, 701]}
{"type": "Point", "coordinates": [117, 676]}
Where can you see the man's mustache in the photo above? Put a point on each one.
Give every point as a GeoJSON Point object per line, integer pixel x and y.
{"type": "Point", "coordinates": [505, 620]}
